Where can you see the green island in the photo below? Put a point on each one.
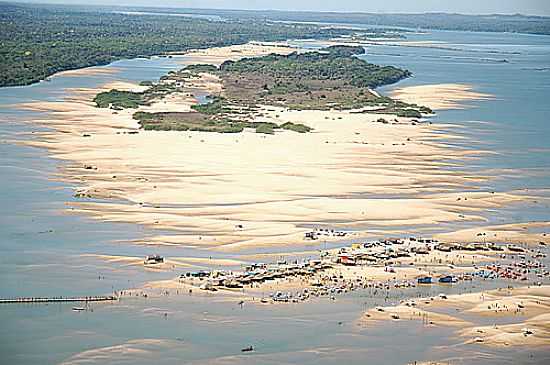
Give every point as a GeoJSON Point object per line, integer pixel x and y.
{"type": "Point", "coordinates": [120, 99]}
{"type": "Point", "coordinates": [330, 78]}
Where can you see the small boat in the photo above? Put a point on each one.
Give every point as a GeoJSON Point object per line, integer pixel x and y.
{"type": "Point", "coordinates": [247, 349]}
{"type": "Point", "coordinates": [446, 279]}
{"type": "Point", "coordinates": [425, 280]}
{"type": "Point", "coordinates": [79, 309]}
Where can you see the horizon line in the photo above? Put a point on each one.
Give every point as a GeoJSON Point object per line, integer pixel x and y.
{"type": "Point", "coordinates": [357, 12]}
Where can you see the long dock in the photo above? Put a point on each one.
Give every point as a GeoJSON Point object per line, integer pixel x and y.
{"type": "Point", "coordinates": [58, 299]}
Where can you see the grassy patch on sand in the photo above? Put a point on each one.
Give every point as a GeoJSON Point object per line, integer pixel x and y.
{"type": "Point", "coordinates": [190, 121]}
{"type": "Point", "coordinates": [118, 99]}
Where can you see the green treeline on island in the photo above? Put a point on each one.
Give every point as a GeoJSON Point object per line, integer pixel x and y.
{"type": "Point", "coordinates": [37, 41]}
{"type": "Point", "coordinates": [331, 78]}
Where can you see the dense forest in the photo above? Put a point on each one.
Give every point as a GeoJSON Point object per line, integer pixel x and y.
{"type": "Point", "coordinates": [516, 23]}
{"type": "Point", "coordinates": [334, 64]}
{"type": "Point", "coordinates": [38, 40]}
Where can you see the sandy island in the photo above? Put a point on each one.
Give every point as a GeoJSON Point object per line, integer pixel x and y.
{"type": "Point", "coordinates": [249, 191]}
{"type": "Point", "coordinates": [350, 172]}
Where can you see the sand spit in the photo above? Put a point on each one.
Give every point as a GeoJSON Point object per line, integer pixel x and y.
{"type": "Point", "coordinates": [440, 96]}
{"type": "Point", "coordinates": [144, 349]}
{"type": "Point", "coordinates": [88, 71]}
{"type": "Point", "coordinates": [530, 304]}
{"type": "Point", "coordinates": [403, 312]}
{"type": "Point", "coordinates": [519, 315]}
{"type": "Point", "coordinates": [169, 264]}
{"type": "Point", "coordinates": [218, 55]}
{"type": "Point", "coordinates": [534, 331]}
{"type": "Point", "coordinates": [533, 233]}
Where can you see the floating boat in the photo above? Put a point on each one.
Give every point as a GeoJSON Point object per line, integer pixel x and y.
{"type": "Point", "coordinates": [446, 279]}
{"type": "Point", "coordinates": [79, 309]}
{"type": "Point", "coordinates": [425, 280]}
{"type": "Point", "coordinates": [247, 349]}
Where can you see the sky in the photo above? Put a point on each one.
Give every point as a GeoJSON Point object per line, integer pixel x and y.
{"type": "Point", "coordinates": [531, 7]}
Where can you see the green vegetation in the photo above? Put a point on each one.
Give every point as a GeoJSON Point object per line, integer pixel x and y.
{"type": "Point", "coordinates": [217, 106]}
{"type": "Point", "coordinates": [334, 64]}
{"type": "Point", "coordinates": [37, 41]}
{"type": "Point", "coordinates": [266, 128]}
{"type": "Point", "coordinates": [409, 113]}
{"type": "Point", "coordinates": [344, 51]}
{"type": "Point", "coordinates": [117, 99]}
{"type": "Point", "coordinates": [331, 78]}
{"type": "Point", "coordinates": [300, 128]}
{"type": "Point", "coordinates": [198, 68]}
{"type": "Point", "coordinates": [514, 23]}
{"type": "Point", "coordinates": [182, 121]}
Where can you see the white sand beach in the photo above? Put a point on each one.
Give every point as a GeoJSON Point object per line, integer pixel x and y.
{"type": "Point", "coordinates": [351, 172]}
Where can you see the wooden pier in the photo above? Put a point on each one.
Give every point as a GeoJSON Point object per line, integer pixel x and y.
{"type": "Point", "coordinates": [58, 299]}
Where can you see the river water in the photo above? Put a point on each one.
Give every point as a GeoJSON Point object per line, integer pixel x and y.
{"type": "Point", "coordinates": [42, 243]}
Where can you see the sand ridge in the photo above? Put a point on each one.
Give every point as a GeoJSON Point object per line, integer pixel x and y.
{"type": "Point", "coordinates": [440, 96]}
